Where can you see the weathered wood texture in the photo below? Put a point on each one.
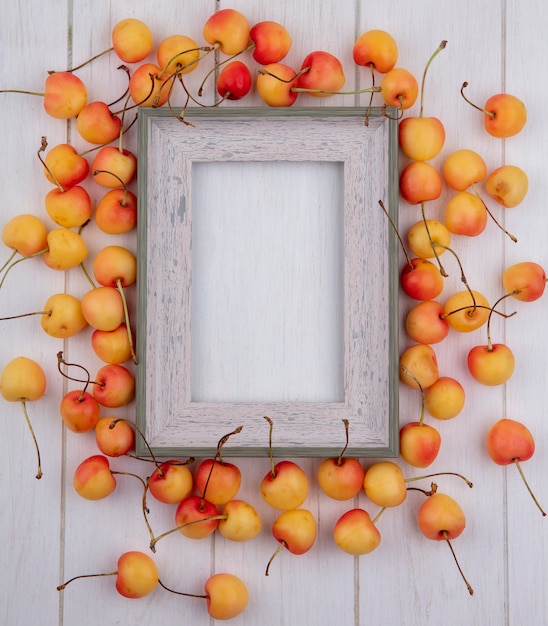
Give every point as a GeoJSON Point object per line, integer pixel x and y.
{"type": "Point", "coordinates": [51, 534]}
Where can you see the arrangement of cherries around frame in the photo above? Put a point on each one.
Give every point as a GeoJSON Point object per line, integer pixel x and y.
{"type": "Point", "coordinates": [206, 498]}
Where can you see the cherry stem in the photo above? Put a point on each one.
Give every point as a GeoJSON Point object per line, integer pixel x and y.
{"type": "Point", "coordinates": [393, 224]}
{"type": "Point", "coordinates": [25, 412]}
{"type": "Point", "coordinates": [43, 146]}
{"type": "Point", "coordinates": [86, 274]}
{"type": "Point", "coordinates": [512, 237]}
{"type": "Point", "coordinates": [302, 71]}
{"type": "Point", "coordinates": [335, 93]}
{"type": "Point", "coordinates": [445, 536]}
{"type": "Point", "coordinates": [462, 274]}
{"type": "Point", "coordinates": [78, 67]}
{"type": "Point", "coordinates": [271, 424]}
{"type": "Point", "coordinates": [143, 500]}
{"type": "Point", "coordinates": [368, 111]}
{"type": "Point", "coordinates": [182, 593]}
{"type": "Point", "coordinates": [489, 113]}
{"type": "Point", "coordinates": [436, 52]}
{"type": "Point", "coordinates": [433, 490]}
{"type": "Point", "coordinates": [126, 317]}
{"type": "Point", "coordinates": [126, 70]}
{"type": "Point", "coordinates": [378, 516]}
{"type": "Point", "coordinates": [140, 433]}
{"type": "Point", "coordinates": [277, 551]}
{"type": "Point", "coordinates": [507, 295]}
{"type": "Point", "coordinates": [412, 479]}
{"type": "Point", "coordinates": [180, 67]}
{"type": "Point", "coordinates": [11, 257]}
{"type": "Point", "coordinates": [401, 110]}
{"type": "Point", "coordinates": [30, 256]}
{"type": "Point", "coordinates": [340, 459]}
{"type": "Point", "coordinates": [76, 380]}
{"type": "Point", "coordinates": [155, 540]}
{"type": "Point", "coordinates": [413, 377]}
{"type": "Point", "coordinates": [517, 464]}
{"type": "Point", "coordinates": [61, 587]}
{"type": "Point", "coordinates": [28, 93]}
{"type": "Point", "coordinates": [432, 242]}
{"type": "Point", "coordinates": [14, 317]}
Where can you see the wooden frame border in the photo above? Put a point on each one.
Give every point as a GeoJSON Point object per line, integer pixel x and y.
{"type": "Point", "coordinates": [172, 423]}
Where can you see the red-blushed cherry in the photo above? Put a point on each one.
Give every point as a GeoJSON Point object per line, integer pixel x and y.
{"type": "Point", "coordinates": [466, 214]}
{"type": "Point", "coordinates": [65, 95]}
{"type": "Point", "coordinates": [341, 478]}
{"type": "Point", "coordinates": [113, 167]}
{"type": "Point", "coordinates": [507, 185]}
{"type": "Point", "coordinates": [272, 42]}
{"type": "Point", "coordinates": [424, 322]}
{"type": "Point", "coordinates": [171, 482]}
{"type": "Point", "coordinates": [116, 212]}
{"type": "Point", "coordinates": [97, 124]}
{"type": "Point", "coordinates": [525, 281]}
{"type": "Point", "coordinates": [227, 30]}
{"type": "Point", "coordinates": [376, 49]}
{"type": "Point", "coordinates": [218, 480]}
{"type": "Point", "coordinates": [64, 166]}
{"type": "Point", "coordinates": [439, 518]}
{"type": "Point", "coordinates": [445, 398]}
{"type": "Point", "coordinates": [79, 411]}
{"type": "Point", "coordinates": [275, 84]}
{"type": "Point", "coordinates": [114, 437]}
{"type": "Point", "coordinates": [492, 364]}
{"type": "Point", "coordinates": [148, 87]}
{"type": "Point", "coordinates": [23, 380]}
{"type": "Point", "coordinates": [384, 484]}
{"type": "Point", "coordinates": [296, 530]}
{"type": "Point", "coordinates": [115, 386]}
{"type": "Point", "coordinates": [420, 182]}
{"type": "Point", "coordinates": [196, 517]}
{"type": "Point", "coordinates": [355, 532]}
{"type": "Point", "coordinates": [93, 478]}
{"type": "Point", "coordinates": [509, 441]}
{"type": "Point", "coordinates": [399, 88]}
{"type": "Point", "coordinates": [321, 74]}
{"type": "Point", "coordinates": [420, 279]}
{"type": "Point", "coordinates": [419, 366]}
{"type": "Point", "coordinates": [132, 40]}
{"type": "Point", "coordinates": [505, 115]}
{"type": "Point", "coordinates": [234, 81]}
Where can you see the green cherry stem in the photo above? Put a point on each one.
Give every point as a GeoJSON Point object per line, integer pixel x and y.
{"type": "Point", "coordinates": [436, 52]}
{"type": "Point", "coordinates": [126, 316]}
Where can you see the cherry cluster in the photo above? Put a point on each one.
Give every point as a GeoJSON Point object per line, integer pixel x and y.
{"type": "Point", "coordinates": [206, 498]}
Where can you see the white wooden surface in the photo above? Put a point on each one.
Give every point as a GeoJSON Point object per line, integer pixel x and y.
{"type": "Point", "coordinates": [50, 534]}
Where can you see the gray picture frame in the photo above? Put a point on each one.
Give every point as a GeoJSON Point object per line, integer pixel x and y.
{"type": "Point", "coordinates": [175, 425]}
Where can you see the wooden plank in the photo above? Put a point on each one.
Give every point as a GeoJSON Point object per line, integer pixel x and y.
{"type": "Point", "coordinates": [527, 333]}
